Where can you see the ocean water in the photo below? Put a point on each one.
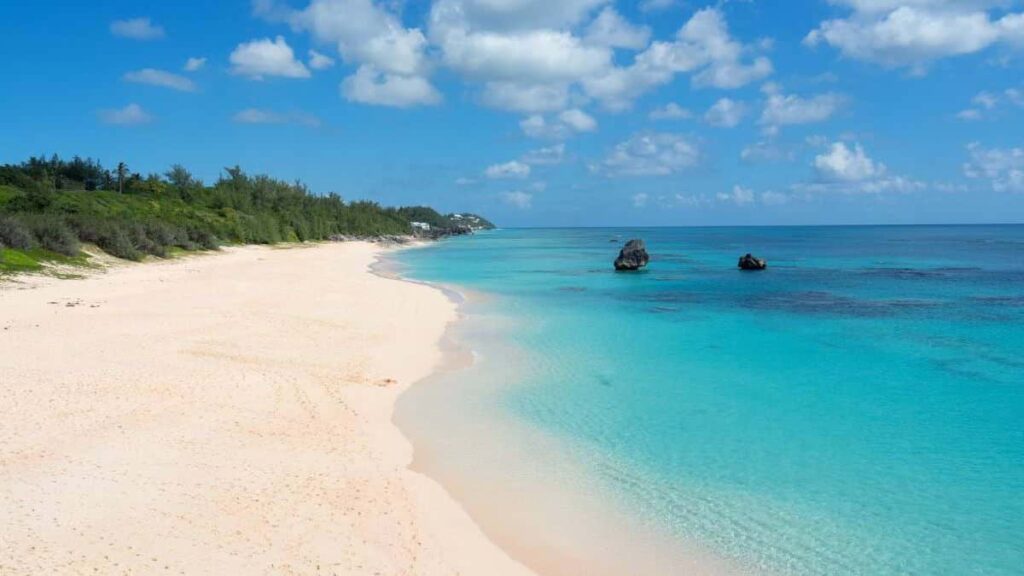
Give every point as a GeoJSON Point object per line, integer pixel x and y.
{"type": "Point", "coordinates": [857, 408]}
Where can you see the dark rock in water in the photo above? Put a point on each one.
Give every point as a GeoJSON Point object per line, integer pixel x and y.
{"type": "Point", "coordinates": [749, 262]}
{"type": "Point", "coordinates": [633, 256]}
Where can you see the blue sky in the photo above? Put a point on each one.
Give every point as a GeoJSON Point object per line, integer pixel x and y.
{"type": "Point", "coordinates": [546, 112]}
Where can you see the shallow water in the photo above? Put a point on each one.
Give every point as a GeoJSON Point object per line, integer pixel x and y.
{"type": "Point", "coordinates": [858, 408]}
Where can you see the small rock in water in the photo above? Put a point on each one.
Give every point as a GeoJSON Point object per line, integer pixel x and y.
{"type": "Point", "coordinates": [633, 256]}
{"type": "Point", "coordinates": [750, 262]}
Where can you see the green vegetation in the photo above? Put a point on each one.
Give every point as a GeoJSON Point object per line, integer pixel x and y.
{"type": "Point", "coordinates": [54, 205]}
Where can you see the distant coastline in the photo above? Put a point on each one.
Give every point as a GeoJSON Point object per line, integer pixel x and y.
{"type": "Point", "coordinates": [50, 208]}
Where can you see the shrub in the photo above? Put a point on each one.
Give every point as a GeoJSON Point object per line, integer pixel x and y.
{"type": "Point", "coordinates": [14, 234]}
{"type": "Point", "coordinates": [114, 240]}
{"type": "Point", "coordinates": [88, 228]}
{"type": "Point", "coordinates": [202, 238]}
{"type": "Point", "coordinates": [53, 233]}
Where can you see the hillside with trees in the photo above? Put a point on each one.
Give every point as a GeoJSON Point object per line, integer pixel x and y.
{"type": "Point", "coordinates": [49, 207]}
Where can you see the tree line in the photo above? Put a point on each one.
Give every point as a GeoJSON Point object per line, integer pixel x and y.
{"type": "Point", "coordinates": [56, 204]}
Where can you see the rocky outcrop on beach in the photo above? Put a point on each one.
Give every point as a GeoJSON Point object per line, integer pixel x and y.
{"type": "Point", "coordinates": [633, 256]}
{"type": "Point", "coordinates": [750, 262]}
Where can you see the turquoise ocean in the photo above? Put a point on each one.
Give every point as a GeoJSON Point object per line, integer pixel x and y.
{"type": "Point", "coordinates": [857, 408]}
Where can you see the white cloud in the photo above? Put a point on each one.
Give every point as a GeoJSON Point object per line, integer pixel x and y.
{"type": "Point", "coordinates": [546, 156]}
{"type": "Point", "coordinates": [564, 125]}
{"type": "Point", "coordinates": [578, 120]}
{"type": "Point", "coordinates": [527, 57]}
{"type": "Point", "coordinates": [136, 29]}
{"type": "Point", "coordinates": [318, 61]}
{"type": "Point", "coordinates": [788, 109]}
{"type": "Point", "coordinates": [650, 154]}
{"type": "Point", "coordinates": [840, 163]}
{"type": "Point", "coordinates": [259, 116]}
{"type": "Point", "coordinates": [364, 33]}
{"type": "Point", "coordinates": [849, 170]}
{"type": "Point", "coordinates": [656, 5]}
{"type": "Point", "coordinates": [1002, 167]}
{"type": "Point", "coordinates": [765, 151]}
{"type": "Point", "coordinates": [670, 111]}
{"type": "Point", "coordinates": [640, 200]}
{"type": "Point", "coordinates": [519, 199]}
{"type": "Point", "coordinates": [393, 68]}
{"type": "Point", "coordinates": [914, 33]}
{"type": "Point", "coordinates": [611, 29]}
{"type": "Point", "coordinates": [703, 46]}
{"type": "Point", "coordinates": [194, 64]}
{"type": "Point", "coordinates": [161, 78]}
{"type": "Point", "coordinates": [770, 198]}
{"type": "Point", "coordinates": [969, 114]}
{"type": "Point", "coordinates": [739, 196]}
{"type": "Point", "coordinates": [987, 104]}
{"type": "Point", "coordinates": [130, 115]}
{"type": "Point", "coordinates": [267, 57]}
{"type": "Point", "coordinates": [370, 86]}
{"type": "Point", "coordinates": [511, 169]}
{"type": "Point", "coordinates": [725, 113]}
{"type": "Point", "coordinates": [463, 181]}
{"type": "Point", "coordinates": [526, 97]}
{"type": "Point", "coordinates": [515, 14]}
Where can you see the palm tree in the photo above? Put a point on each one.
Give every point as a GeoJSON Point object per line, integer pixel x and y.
{"type": "Point", "coordinates": [122, 169]}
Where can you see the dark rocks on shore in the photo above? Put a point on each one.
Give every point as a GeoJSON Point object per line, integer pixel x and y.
{"type": "Point", "coordinates": [633, 256]}
{"type": "Point", "coordinates": [750, 262]}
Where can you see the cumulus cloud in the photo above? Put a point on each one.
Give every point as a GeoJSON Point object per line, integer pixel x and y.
{"type": "Point", "coordinates": [518, 199]}
{"type": "Point", "coordinates": [787, 109]}
{"type": "Point", "coordinates": [393, 68]}
{"type": "Point", "coordinates": [563, 125]}
{"type": "Point", "coordinates": [1002, 167]}
{"type": "Point", "coordinates": [266, 57]}
{"type": "Point", "coordinates": [511, 169]}
{"type": "Point", "coordinates": [364, 33]}
{"type": "Point", "coordinates": [914, 33]}
{"type": "Point", "coordinates": [739, 196]}
{"type": "Point", "coordinates": [526, 97]}
{"type": "Point", "coordinates": [640, 199]}
{"type": "Point", "coordinates": [512, 15]}
{"type": "Point", "coordinates": [318, 61]}
{"type": "Point", "coordinates": [578, 120]}
{"type": "Point", "coordinates": [670, 111]}
{"type": "Point", "coordinates": [725, 113]}
{"type": "Point", "coordinates": [765, 151]}
{"type": "Point", "coordinates": [160, 78]}
{"type": "Point", "coordinates": [986, 104]}
{"type": "Point", "coordinates": [530, 56]}
{"type": "Point", "coordinates": [194, 64]}
{"type": "Point", "coordinates": [371, 86]}
{"type": "Point", "coordinates": [545, 156]}
{"type": "Point", "coordinates": [843, 163]}
{"type": "Point", "coordinates": [772, 198]}
{"type": "Point", "coordinates": [657, 5]}
{"type": "Point", "coordinates": [650, 154]}
{"type": "Point", "coordinates": [130, 115]}
{"type": "Point", "coordinates": [847, 169]}
{"type": "Point", "coordinates": [136, 29]}
{"type": "Point", "coordinates": [260, 116]}
{"type": "Point", "coordinates": [703, 47]}
{"type": "Point", "coordinates": [611, 29]}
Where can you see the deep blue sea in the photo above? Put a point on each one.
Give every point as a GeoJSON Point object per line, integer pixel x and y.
{"type": "Point", "coordinates": [857, 408]}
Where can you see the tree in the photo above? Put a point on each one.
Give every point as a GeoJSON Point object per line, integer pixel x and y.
{"type": "Point", "coordinates": [179, 177]}
{"type": "Point", "coordinates": [122, 170]}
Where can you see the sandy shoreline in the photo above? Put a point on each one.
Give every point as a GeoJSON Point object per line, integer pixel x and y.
{"type": "Point", "coordinates": [224, 414]}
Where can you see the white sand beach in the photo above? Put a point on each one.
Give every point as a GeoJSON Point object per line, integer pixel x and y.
{"type": "Point", "coordinates": [223, 414]}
